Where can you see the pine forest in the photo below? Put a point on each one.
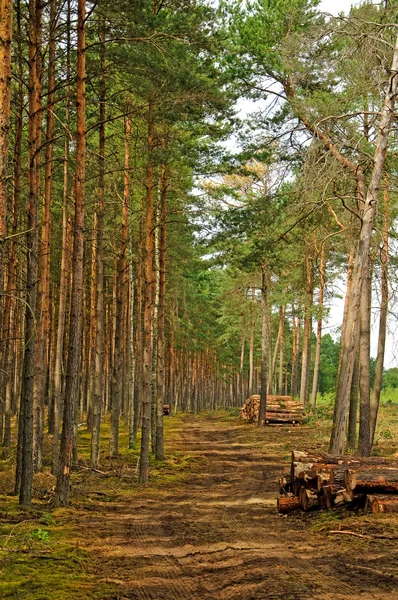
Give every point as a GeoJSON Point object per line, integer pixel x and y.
{"type": "Point", "coordinates": [198, 213]}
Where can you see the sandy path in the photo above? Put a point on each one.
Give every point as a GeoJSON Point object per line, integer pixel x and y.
{"type": "Point", "coordinates": [218, 536]}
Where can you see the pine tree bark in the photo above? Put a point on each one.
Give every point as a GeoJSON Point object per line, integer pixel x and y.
{"type": "Point", "coordinates": [99, 338]}
{"type": "Point", "coordinates": [281, 351]}
{"type": "Point", "coordinates": [159, 446]}
{"type": "Point", "coordinates": [275, 354]}
{"type": "Point", "coordinates": [43, 317]}
{"type": "Point", "coordinates": [319, 328]}
{"type": "Point", "coordinates": [138, 340]}
{"type": "Point", "coordinates": [75, 324]}
{"type": "Point", "coordinates": [295, 350]}
{"type": "Point", "coordinates": [6, 13]}
{"type": "Point", "coordinates": [242, 387]}
{"type": "Point", "coordinates": [307, 333]}
{"type": "Point", "coordinates": [353, 411]}
{"type": "Point", "coordinates": [364, 444]}
{"type": "Point", "coordinates": [24, 472]}
{"type": "Point", "coordinates": [11, 303]}
{"type": "Point", "coordinates": [264, 354]}
{"type": "Point", "coordinates": [148, 307]}
{"type": "Point", "coordinates": [121, 301]}
{"type": "Point", "coordinates": [381, 344]}
{"type": "Point", "coordinates": [65, 262]}
{"type": "Point", "coordinates": [251, 345]}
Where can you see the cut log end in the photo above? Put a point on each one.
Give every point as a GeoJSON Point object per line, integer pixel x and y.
{"type": "Point", "coordinates": [287, 504]}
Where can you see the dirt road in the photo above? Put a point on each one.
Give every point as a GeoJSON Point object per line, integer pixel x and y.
{"type": "Point", "coordinates": [218, 536]}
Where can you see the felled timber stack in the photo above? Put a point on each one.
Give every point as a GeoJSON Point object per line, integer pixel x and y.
{"type": "Point", "coordinates": [318, 480]}
{"type": "Point", "coordinates": [279, 409]}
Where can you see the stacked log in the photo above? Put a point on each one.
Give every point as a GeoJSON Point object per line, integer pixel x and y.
{"type": "Point", "coordinates": [318, 480]}
{"type": "Point", "coordinates": [279, 409]}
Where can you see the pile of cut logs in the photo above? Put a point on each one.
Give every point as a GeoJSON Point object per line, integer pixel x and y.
{"type": "Point", "coordinates": [317, 480]}
{"type": "Point", "coordinates": [279, 409]}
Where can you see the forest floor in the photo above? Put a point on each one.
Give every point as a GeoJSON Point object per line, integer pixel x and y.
{"type": "Point", "coordinates": [206, 528]}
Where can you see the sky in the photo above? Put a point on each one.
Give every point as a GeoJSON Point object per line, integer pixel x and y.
{"type": "Point", "coordinates": [336, 6]}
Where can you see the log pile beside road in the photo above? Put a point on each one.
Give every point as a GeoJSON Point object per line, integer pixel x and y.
{"type": "Point", "coordinates": [317, 480]}
{"type": "Point", "coordinates": [279, 409]}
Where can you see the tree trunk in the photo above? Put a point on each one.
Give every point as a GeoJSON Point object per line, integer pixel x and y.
{"type": "Point", "coordinates": [374, 403]}
{"type": "Point", "coordinates": [306, 355]}
{"type": "Point", "coordinates": [275, 354]}
{"type": "Point", "coordinates": [132, 359]}
{"type": "Point", "coordinates": [319, 328]}
{"type": "Point", "coordinates": [75, 324]}
{"type": "Point", "coordinates": [121, 301]}
{"type": "Point", "coordinates": [264, 357]}
{"type": "Point", "coordinates": [99, 353]}
{"type": "Point", "coordinates": [159, 446]}
{"type": "Point", "coordinates": [251, 345]}
{"type": "Point", "coordinates": [138, 339]}
{"type": "Point", "coordinates": [43, 318]}
{"type": "Point", "coordinates": [65, 261]}
{"type": "Point", "coordinates": [350, 331]}
{"type": "Point", "coordinates": [148, 308]}
{"type": "Point", "coordinates": [5, 96]}
{"type": "Point", "coordinates": [12, 304]}
{"type": "Point", "coordinates": [353, 412]}
{"type": "Point", "coordinates": [364, 445]}
{"type": "Point", "coordinates": [281, 350]}
{"type": "Point", "coordinates": [24, 472]}
{"type": "Point", "coordinates": [242, 390]}
{"type": "Point", "coordinates": [295, 351]}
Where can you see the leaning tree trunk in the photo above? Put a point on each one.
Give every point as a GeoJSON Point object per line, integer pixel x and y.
{"type": "Point", "coordinates": [75, 322]}
{"type": "Point", "coordinates": [351, 324]}
{"type": "Point", "coordinates": [374, 402]}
